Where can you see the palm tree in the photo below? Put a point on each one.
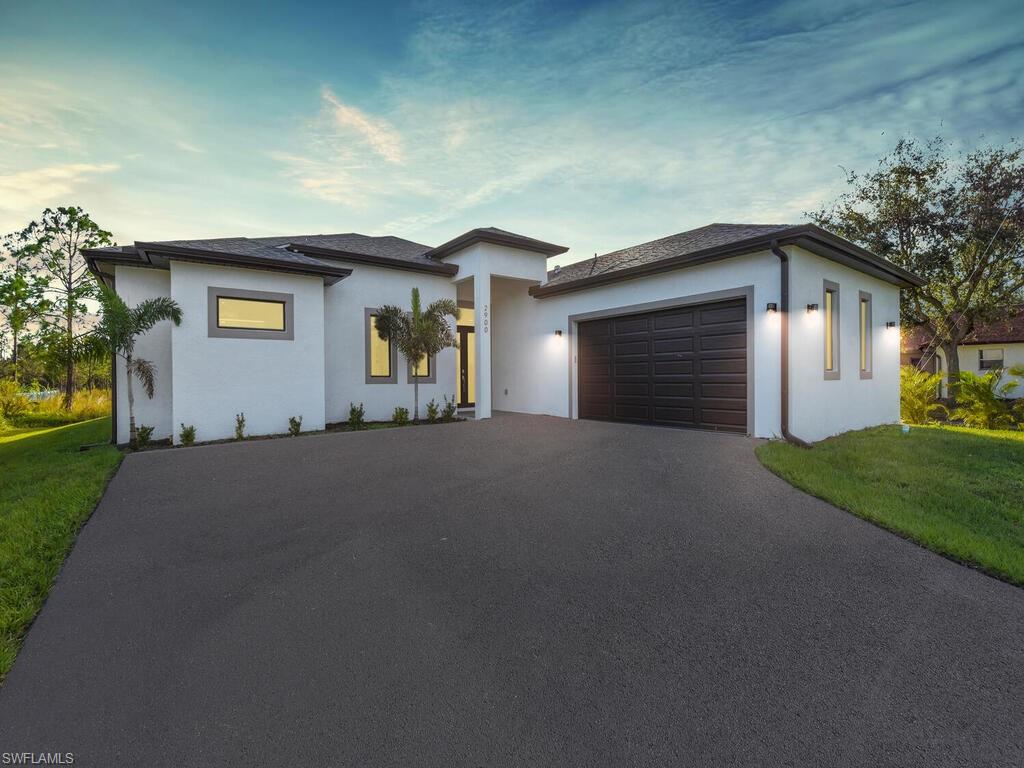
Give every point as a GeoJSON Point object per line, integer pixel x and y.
{"type": "Point", "coordinates": [120, 326]}
{"type": "Point", "coordinates": [418, 334]}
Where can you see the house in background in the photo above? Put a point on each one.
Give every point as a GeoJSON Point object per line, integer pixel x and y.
{"type": "Point", "coordinates": [766, 330]}
{"type": "Point", "coordinates": [996, 344]}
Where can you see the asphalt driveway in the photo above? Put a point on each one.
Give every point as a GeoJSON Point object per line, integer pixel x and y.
{"type": "Point", "coordinates": [524, 591]}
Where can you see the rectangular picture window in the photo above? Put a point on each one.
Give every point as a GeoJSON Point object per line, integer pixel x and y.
{"type": "Point", "coordinates": [989, 359]}
{"type": "Point", "coordinates": [252, 314]}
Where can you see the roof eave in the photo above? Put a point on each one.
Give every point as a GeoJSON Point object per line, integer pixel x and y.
{"type": "Point", "coordinates": [330, 275]}
{"type": "Point", "coordinates": [380, 261]}
{"type": "Point", "coordinates": [512, 241]}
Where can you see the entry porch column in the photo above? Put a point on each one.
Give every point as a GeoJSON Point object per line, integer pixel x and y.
{"type": "Point", "coordinates": [482, 310]}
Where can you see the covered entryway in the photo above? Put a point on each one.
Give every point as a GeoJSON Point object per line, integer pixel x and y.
{"type": "Point", "coordinates": [681, 367]}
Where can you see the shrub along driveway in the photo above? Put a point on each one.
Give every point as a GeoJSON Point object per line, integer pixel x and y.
{"type": "Point", "coordinates": [524, 591]}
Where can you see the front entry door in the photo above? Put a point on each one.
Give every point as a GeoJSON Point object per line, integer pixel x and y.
{"type": "Point", "coordinates": [467, 366]}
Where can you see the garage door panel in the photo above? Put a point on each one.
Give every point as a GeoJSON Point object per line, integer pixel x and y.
{"type": "Point", "coordinates": [681, 367]}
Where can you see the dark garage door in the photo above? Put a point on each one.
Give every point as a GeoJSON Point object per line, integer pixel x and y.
{"type": "Point", "coordinates": [683, 367]}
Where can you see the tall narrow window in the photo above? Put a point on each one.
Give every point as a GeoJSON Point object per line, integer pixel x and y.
{"type": "Point", "coordinates": [865, 335]}
{"type": "Point", "coordinates": [830, 303]}
{"type": "Point", "coordinates": [422, 368]}
{"type": "Point", "coordinates": [381, 355]}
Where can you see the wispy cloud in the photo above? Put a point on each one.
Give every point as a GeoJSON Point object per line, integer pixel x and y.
{"type": "Point", "coordinates": [185, 146]}
{"type": "Point", "coordinates": [381, 137]}
{"type": "Point", "coordinates": [27, 190]}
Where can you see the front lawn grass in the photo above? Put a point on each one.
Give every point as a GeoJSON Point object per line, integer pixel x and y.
{"type": "Point", "coordinates": [956, 491]}
{"type": "Point", "coordinates": [47, 490]}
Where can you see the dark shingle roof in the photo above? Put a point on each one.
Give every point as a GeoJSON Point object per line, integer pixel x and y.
{"type": "Point", "coordinates": [692, 241]}
{"type": "Point", "coordinates": [1008, 329]}
{"type": "Point", "coordinates": [497, 236]}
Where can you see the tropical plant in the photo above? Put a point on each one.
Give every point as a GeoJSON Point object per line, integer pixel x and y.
{"type": "Point", "coordinates": [450, 409]}
{"type": "Point", "coordinates": [400, 416]}
{"type": "Point", "coordinates": [22, 290]}
{"type": "Point", "coordinates": [187, 435]}
{"type": "Point", "coordinates": [119, 328]}
{"type": "Point", "coordinates": [918, 390]}
{"type": "Point", "coordinates": [12, 402]}
{"type": "Point", "coordinates": [144, 435]}
{"type": "Point", "coordinates": [982, 403]}
{"type": "Point", "coordinates": [956, 222]}
{"type": "Point", "coordinates": [240, 426]}
{"type": "Point", "coordinates": [419, 333]}
{"type": "Point", "coordinates": [60, 237]}
{"type": "Point", "coordinates": [433, 411]}
{"type": "Point", "coordinates": [356, 416]}
{"type": "Point", "coordinates": [294, 425]}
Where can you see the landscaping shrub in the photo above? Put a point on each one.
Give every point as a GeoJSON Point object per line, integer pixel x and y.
{"type": "Point", "coordinates": [294, 425]}
{"type": "Point", "coordinates": [143, 435]}
{"type": "Point", "coordinates": [918, 390]}
{"type": "Point", "coordinates": [356, 416]}
{"type": "Point", "coordinates": [433, 411]}
{"type": "Point", "coordinates": [448, 414]}
{"type": "Point", "coordinates": [12, 402]}
{"type": "Point", "coordinates": [187, 434]}
{"type": "Point", "coordinates": [981, 403]}
{"type": "Point", "coordinates": [240, 426]}
{"type": "Point", "coordinates": [400, 416]}
{"type": "Point", "coordinates": [85, 404]}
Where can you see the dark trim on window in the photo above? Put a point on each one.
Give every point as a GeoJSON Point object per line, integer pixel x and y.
{"type": "Point", "coordinates": [988, 365]}
{"type": "Point", "coordinates": [833, 373]}
{"type": "Point", "coordinates": [392, 378]}
{"type": "Point", "coordinates": [214, 330]}
{"type": "Point", "coordinates": [430, 378]}
{"type": "Point", "coordinates": [866, 337]}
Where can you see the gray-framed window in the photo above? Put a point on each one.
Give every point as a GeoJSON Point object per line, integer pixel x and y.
{"type": "Point", "coordinates": [864, 323]}
{"type": "Point", "coordinates": [830, 308]}
{"type": "Point", "coordinates": [236, 313]}
{"type": "Point", "coordinates": [989, 359]}
{"type": "Point", "coordinates": [428, 371]}
{"type": "Point", "coordinates": [381, 356]}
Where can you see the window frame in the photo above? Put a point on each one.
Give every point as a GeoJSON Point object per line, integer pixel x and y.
{"type": "Point", "coordinates": [430, 378]}
{"type": "Point", "coordinates": [833, 373]}
{"type": "Point", "coordinates": [215, 330]}
{"type": "Point", "coordinates": [982, 362]}
{"type": "Point", "coordinates": [368, 314]}
{"type": "Point", "coordinates": [866, 335]}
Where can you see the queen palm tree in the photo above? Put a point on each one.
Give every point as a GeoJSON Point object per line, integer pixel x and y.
{"type": "Point", "coordinates": [419, 333]}
{"type": "Point", "coordinates": [120, 325]}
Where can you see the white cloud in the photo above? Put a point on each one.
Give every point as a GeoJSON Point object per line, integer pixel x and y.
{"type": "Point", "coordinates": [378, 134]}
{"type": "Point", "coordinates": [184, 146]}
{"type": "Point", "coordinates": [27, 191]}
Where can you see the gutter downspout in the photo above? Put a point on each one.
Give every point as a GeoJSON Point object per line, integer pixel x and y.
{"type": "Point", "coordinates": [784, 339]}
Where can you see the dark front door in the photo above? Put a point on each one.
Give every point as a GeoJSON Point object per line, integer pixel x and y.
{"type": "Point", "coordinates": [683, 367]}
{"type": "Point", "coordinates": [467, 370]}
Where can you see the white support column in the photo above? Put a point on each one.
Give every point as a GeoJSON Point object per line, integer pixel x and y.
{"type": "Point", "coordinates": [482, 308]}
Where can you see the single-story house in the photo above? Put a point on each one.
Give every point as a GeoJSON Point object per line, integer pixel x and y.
{"type": "Point", "coordinates": [767, 330]}
{"type": "Point", "coordinates": [998, 344]}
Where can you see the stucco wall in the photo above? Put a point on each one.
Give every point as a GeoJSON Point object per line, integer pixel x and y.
{"type": "Point", "coordinates": [1013, 354]}
{"type": "Point", "coordinates": [819, 407]}
{"type": "Point", "coordinates": [135, 285]}
{"type": "Point", "coordinates": [533, 364]}
{"type": "Point", "coordinates": [345, 305]}
{"type": "Point", "coordinates": [268, 379]}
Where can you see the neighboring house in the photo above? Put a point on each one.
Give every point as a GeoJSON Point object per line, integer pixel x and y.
{"type": "Point", "coordinates": [683, 331]}
{"type": "Point", "coordinates": [996, 344]}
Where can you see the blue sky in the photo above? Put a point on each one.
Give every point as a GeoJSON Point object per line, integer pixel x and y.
{"type": "Point", "coordinates": [594, 125]}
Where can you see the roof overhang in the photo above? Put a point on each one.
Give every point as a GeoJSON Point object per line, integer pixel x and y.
{"type": "Point", "coordinates": [808, 236]}
{"type": "Point", "coordinates": [508, 239]}
{"type": "Point", "coordinates": [380, 261]}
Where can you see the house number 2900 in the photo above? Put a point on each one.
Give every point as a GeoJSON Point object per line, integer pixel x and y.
{"type": "Point", "coordinates": [487, 318]}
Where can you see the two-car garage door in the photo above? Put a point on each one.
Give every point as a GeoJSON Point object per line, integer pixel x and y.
{"type": "Point", "coordinates": [682, 367]}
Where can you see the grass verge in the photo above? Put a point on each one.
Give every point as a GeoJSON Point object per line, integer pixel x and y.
{"type": "Point", "coordinates": [47, 490]}
{"type": "Point", "coordinates": [956, 491]}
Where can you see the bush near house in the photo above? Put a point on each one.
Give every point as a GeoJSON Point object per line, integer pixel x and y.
{"type": "Point", "coordinates": [981, 400]}
{"type": "Point", "coordinates": [433, 411]}
{"type": "Point", "coordinates": [239, 426]}
{"type": "Point", "coordinates": [918, 396]}
{"type": "Point", "coordinates": [449, 411]}
{"type": "Point", "coordinates": [356, 416]}
{"type": "Point", "coordinates": [294, 425]}
{"type": "Point", "coordinates": [187, 435]}
{"type": "Point", "coordinates": [400, 416]}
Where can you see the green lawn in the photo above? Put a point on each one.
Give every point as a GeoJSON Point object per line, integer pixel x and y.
{"type": "Point", "coordinates": [956, 491]}
{"type": "Point", "coordinates": [47, 490]}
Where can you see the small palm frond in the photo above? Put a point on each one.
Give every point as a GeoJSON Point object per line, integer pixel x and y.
{"type": "Point", "coordinates": [393, 323]}
{"type": "Point", "coordinates": [145, 372]}
{"type": "Point", "coordinates": [115, 319]}
{"type": "Point", "coordinates": [148, 313]}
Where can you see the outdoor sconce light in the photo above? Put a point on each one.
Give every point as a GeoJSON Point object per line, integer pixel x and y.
{"type": "Point", "coordinates": [772, 307]}
{"type": "Point", "coordinates": [812, 308]}
{"type": "Point", "coordinates": [890, 324]}
{"type": "Point", "coordinates": [558, 332]}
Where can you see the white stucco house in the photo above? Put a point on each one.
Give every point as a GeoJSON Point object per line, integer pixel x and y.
{"type": "Point", "coordinates": [766, 330]}
{"type": "Point", "coordinates": [994, 345]}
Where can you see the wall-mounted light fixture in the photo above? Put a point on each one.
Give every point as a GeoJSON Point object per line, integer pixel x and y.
{"type": "Point", "coordinates": [890, 324]}
{"type": "Point", "coordinates": [812, 308]}
{"type": "Point", "coordinates": [772, 307]}
{"type": "Point", "coordinates": [558, 332]}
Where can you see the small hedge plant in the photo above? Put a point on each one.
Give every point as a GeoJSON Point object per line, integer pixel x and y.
{"type": "Point", "coordinates": [356, 416]}
{"type": "Point", "coordinates": [448, 414]}
{"type": "Point", "coordinates": [143, 435]}
{"type": "Point", "coordinates": [400, 416]}
{"type": "Point", "coordinates": [240, 426]}
{"type": "Point", "coordinates": [187, 434]}
{"type": "Point", "coordinates": [294, 425]}
{"type": "Point", "coordinates": [433, 412]}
